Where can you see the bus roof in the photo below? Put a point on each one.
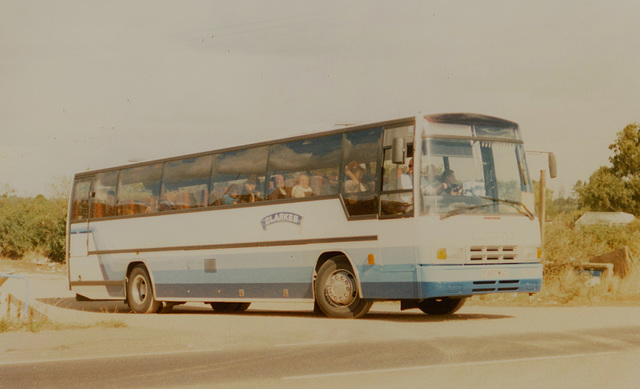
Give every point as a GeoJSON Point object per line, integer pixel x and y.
{"type": "Point", "coordinates": [470, 119]}
{"type": "Point", "coordinates": [451, 118]}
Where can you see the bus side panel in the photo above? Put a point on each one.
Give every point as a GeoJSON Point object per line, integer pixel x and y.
{"type": "Point", "coordinates": [252, 274]}
{"type": "Point", "coordinates": [388, 285]}
{"type": "Point", "coordinates": [392, 276]}
{"type": "Point", "coordinates": [87, 273]}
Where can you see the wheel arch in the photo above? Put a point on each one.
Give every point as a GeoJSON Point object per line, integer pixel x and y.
{"type": "Point", "coordinates": [142, 263]}
{"type": "Point", "coordinates": [327, 255]}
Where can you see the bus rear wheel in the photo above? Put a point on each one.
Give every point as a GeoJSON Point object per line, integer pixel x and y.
{"type": "Point", "coordinates": [336, 290]}
{"type": "Point", "coordinates": [140, 292]}
{"type": "Point", "coordinates": [441, 305]}
{"type": "Point", "coordinates": [229, 307]}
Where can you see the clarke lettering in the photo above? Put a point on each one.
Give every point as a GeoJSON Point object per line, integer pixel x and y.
{"type": "Point", "coordinates": [281, 217]}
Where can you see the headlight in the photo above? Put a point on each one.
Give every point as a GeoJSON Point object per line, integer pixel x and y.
{"type": "Point", "coordinates": [450, 254]}
{"type": "Point", "coordinates": [533, 254]}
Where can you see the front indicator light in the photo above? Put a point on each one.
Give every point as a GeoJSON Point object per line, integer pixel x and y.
{"type": "Point", "coordinates": [539, 252]}
{"type": "Point", "coordinates": [441, 254]}
{"type": "Point", "coordinates": [371, 259]}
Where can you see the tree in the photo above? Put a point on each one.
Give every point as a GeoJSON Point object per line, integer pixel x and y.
{"type": "Point", "coordinates": [626, 149]}
{"type": "Point", "coordinates": [616, 188]}
{"type": "Point", "coordinates": [606, 192]}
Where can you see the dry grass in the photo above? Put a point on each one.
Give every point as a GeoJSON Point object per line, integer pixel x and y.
{"type": "Point", "coordinates": [43, 323]}
{"type": "Point", "coordinates": [31, 325]}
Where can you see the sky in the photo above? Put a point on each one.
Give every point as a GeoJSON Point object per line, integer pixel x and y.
{"type": "Point", "coordinates": [94, 84]}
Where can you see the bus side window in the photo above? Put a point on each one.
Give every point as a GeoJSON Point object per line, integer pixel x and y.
{"type": "Point", "coordinates": [139, 189]}
{"type": "Point", "coordinates": [397, 179]}
{"type": "Point", "coordinates": [185, 183]}
{"type": "Point", "coordinates": [306, 167]}
{"type": "Point", "coordinates": [80, 199]}
{"type": "Point", "coordinates": [103, 203]}
{"type": "Point", "coordinates": [360, 179]}
{"type": "Point", "coordinates": [238, 177]}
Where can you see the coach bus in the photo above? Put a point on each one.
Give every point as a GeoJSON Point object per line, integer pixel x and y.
{"type": "Point", "coordinates": [426, 210]}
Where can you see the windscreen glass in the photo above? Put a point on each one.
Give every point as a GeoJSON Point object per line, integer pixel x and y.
{"type": "Point", "coordinates": [473, 175]}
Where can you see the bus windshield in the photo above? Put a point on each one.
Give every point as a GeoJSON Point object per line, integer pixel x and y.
{"type": "Point", "coordinates": [474, 176]}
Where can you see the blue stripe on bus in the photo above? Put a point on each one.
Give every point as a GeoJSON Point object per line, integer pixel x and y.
{"type": "Point", "coordinates": [82, 231]}
{"type": "Point", "coordinates": [233, 290]}
{"type": "Point", "coordinates": [234, 276]}
{"type": "Point", "coordinates": [390, 290]}
{"type": "Point", "coordinates": [370, 290]}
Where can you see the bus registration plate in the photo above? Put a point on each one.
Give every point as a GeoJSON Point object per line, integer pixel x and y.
{"type": "Point", "coordinates": [495, 273]}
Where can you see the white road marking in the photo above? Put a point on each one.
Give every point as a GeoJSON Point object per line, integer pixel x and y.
{"type": "Point", "coordinates": [437, 366]}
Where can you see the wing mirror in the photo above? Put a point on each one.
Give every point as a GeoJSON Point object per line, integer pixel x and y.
{"type": "Point", "coordinates": [553, 166]}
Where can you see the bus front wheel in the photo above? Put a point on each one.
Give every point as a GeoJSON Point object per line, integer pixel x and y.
{"type": "Point", "coordinates": [140, 292]}
{"type": "Point", "coordinates": [442, 305]}
{"type": "Point", "coordinates": [336, 290]}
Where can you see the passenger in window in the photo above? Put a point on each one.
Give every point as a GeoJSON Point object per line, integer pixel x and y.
{"type": "Point", "coordinates": [302, 189]}
{"type": "Point", "coordinates": [354, 182]}
{"type": "Point", "coordinates": [278, 191]}
{"type": "Point", "coordinates": [350, 170]}
{"type": "Point", "coordinates": [406, 178]}
{"type": "Point", "coordinates": [316, 182]}
{"type": "Point", "coordinates": [232, 196]}
{"type": "Point", "coordinates": [330, 184]}
{"type": "Point", "coordinates": [249, 192]}
{"type": "Point", "coordinates": [449, 183]}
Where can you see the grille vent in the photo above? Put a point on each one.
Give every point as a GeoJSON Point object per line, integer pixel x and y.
{"type": "Point", "coordinates": [496, 286]}
{"type": "Point", "coordinates": [493, 254]}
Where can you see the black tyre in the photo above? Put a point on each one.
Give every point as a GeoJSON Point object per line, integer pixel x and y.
{"type": "Point", "coordinates": [442, 305]}
{"type": "Point", "coordinates": [140, 292]}
{"type": "Point", "coordinates": [229, 307]}
{"type": "Point", "coordinates": [336, 290]}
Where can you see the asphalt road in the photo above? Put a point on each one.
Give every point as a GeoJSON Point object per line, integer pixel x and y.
{"type": "Point", "coordinates": [193, 347]}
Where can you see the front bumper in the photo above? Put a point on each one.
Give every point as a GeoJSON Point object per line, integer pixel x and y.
{"type": "Point", "coordinates": [468, 280]}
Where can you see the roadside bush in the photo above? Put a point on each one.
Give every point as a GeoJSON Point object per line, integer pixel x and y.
{"type": "Point", "coordinates": [16, 229]}
{"type": "Point", "coordinates": [567, 244]}
{"type": "Point", "coordinates": [32, 224]}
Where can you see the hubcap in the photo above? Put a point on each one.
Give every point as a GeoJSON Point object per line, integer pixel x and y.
{"type": "Point", "coordinates": [140, 289]}
{"type": "Point", "coordinates": [340, 288]}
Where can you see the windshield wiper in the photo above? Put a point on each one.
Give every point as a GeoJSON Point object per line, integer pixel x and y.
{"type": "Point", "coordinates": [458, 211]}
{"type": "Point", "coordinates": [516, 204]}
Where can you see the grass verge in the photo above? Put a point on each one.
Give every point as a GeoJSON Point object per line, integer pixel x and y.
{"type": "Point", "coordinates": [43, 323]}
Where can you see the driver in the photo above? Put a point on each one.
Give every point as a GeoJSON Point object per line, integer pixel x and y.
{"type": "Point", "coordinates": [449, 183]}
